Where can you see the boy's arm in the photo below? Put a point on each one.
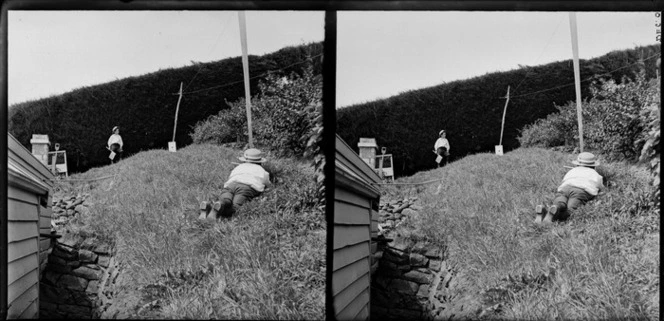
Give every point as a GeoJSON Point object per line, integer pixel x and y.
{"type": "Point", "coordinates": [269, 179]}
{"type": "Point", "coordinates": [602, 184]}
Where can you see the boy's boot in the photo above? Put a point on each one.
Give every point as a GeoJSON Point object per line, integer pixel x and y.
{"type": "Point", "coordinates": [553, 210]}
{"type": "Point", "coordinates": [229, 208]}
{"type": "Point", "coordinates": [205, 206]}
{"type": "Point", "coordinates": [540, 210]}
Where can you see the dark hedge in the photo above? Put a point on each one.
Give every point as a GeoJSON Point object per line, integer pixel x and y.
{"type": "Point", "coordinates": [144, 106]}
{"type": "Point", "coordinates": [471, 110]}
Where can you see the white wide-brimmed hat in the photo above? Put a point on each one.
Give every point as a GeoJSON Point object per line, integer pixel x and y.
{"type": "Point", "coordinates": [586, 159]}
{"type": "Point", "coordinates": [114, 128]}
{"type": "Point", "coordinates": [441, 132]}
{"type": "Point", "coordinates": [253, 155]}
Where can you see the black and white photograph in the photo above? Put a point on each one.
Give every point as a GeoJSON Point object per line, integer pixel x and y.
{"type": "Point", "coordinates": [165, 164]}
{"type": "Point", "coordinates": [497, 165]}
{"type": "Point", "coordinates": [330, 160]}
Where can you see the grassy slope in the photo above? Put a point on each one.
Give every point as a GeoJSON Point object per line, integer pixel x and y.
{"type": "Point", "coordinates": [601, 264]}
{"type": "Point", "coordinates": [268, 261]}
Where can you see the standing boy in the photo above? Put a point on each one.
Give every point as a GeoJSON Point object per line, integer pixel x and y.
{"type": "Point", "coordinates": [442, 148]}
{"type": "Point", "coordinates": [115, 145]}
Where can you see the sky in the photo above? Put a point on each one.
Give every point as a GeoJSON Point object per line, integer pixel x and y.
{"type": "Point", "coordinates": [53, 52]}
{"type": "Point", "coordinates": [381, 54]}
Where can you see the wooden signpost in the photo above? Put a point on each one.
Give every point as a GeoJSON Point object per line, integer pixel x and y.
{"type": "Point", "coordinates": [499, 147]}
{"type": "Point", "coordinates": [171, 145]}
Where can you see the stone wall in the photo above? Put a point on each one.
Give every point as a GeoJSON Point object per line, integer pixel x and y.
{"type": "Point", "coordinates": [393, 213]}
{"type": "Point", "coordinates": [410, 273]}
{"type": "Point", "coordinates": [80, 269]}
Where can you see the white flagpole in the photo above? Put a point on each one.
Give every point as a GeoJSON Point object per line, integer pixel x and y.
{"type": "Point", "coordinates": [245, 68]}
{"type": "Point", "coordinates": [577, 75]}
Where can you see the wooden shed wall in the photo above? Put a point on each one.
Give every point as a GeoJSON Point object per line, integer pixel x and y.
{"type": "Point", "coordinates": [28, 198]}
{"type": "Point", "coordinates": [351, 262]}
{"type": "Point", "coordinates": [23, 254]}
{"type": "Point", "coordinates": [355, 200]}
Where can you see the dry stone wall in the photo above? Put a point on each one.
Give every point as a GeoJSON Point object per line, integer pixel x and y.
{"type": "Point", "coordinates": [78, 277]}
{"type": "Point", "coordinates": [410, 274]}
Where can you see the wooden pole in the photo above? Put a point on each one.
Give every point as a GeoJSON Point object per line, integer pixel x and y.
{"type": "Point", "coordinates": [55, 159]}
{"type": "Point", "coordinates": [177, 109]}
{"type": "Point", "coordinates": [380, 166]}
{"type": "Point", "coordinates": [245, 68]}
{"type": "Point", "coordinates": [658, 64]}
{"type": "Point", "coordinates": [66, 166]}
{"type": "Point", "coordinates": [504, 112]}
{"type": "Point", "coordinates": [577, 75]}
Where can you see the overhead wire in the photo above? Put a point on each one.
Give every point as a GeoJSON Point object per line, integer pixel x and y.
{"type": "Point", "coordinates": [239, 81]}
{"type": "Point", "coordinates": [541, 53]}
{"type": "Point", "coordinates": [223, 31]}
{"type": "Point", "coordinates": [257, 76]}
{"type": "Point", "coordinates": [584, 80]}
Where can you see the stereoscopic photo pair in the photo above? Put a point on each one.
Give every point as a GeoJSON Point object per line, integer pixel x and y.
{"type": "Point", "coordinates": [277, 164]}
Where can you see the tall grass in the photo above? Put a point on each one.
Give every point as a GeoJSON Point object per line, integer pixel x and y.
{"type": "Point", "coordinates": [603, 263]}
{"type": "Point", "coordinates": [266, 262]}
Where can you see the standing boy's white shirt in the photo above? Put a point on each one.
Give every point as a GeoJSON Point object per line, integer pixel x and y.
{"type": "Point", "coordinates": [251, 174]}
{"type": "Point", "coordinates": [115, 139]}
{"type": "Point", "coordinates": [442, 142]}
{"type": "Point", "coordinates": [584, 178]}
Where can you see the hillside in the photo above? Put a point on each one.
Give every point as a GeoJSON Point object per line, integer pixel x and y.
{"type": "Point", "coordinates": [471, 110]}
{"type": "Point", "coordinates": [266, 262]}
{"type": "Point", "coordinates": [602, 264]}
{"type": "Point", "coordinates": [144, 106]}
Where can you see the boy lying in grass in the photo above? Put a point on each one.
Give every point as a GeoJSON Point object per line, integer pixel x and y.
{"type": "Point", "coordinates": [580, 185]}
{"type": "Point", "coordinates": [246, 181]}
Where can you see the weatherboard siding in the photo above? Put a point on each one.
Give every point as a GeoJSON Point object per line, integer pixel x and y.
{"type": "Point", "coordinates": [354, 196]}
{"type": "Point", "coordinates": [364, 314]}
{"type": "Point", "coordinates": [351, 293]}
{"type": "Point", "coordinates": [354, 310]}
{"type": "Point", "coordinates": [350, 254]}
{"type": "Point", "coordinates": [25, 306]}
{"type": "Point", "coordinates": [22, 285]}
{"type": "Point", "coordinates": [23, 257]}
{"type": "Point", "coordinates": [351, 262]}
{"type": "Point", "coordinates": [29, 188]}
{"type": "Point", "coordinates": [19, 249]}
